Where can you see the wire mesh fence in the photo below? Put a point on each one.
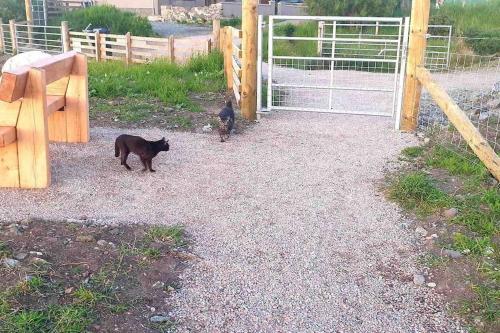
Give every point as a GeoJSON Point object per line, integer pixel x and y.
{"type": "Point", "coordinates": [473, 82]}
{"type": "Point", "coordinates": [39, 37]}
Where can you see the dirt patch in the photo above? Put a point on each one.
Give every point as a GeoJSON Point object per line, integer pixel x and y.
{"type": "Point", "coordinates": [153, 113]}
{"type": "Point", "coordinates": [118, 276]}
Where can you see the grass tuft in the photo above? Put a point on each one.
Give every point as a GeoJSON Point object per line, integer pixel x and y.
{"type": "Point", "coordinates": [416, 191]}
{"type": "Point", "coordinates": [173, 234]}
{"type": "Point", "coordinates": [413, 152]}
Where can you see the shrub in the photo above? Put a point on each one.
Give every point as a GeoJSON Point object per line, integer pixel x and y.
{"type": "Point", "coordinates": [484, 42]}
{"type": "Point", "coordinates": [353, 7]}
{"type": "Point", "coordinates": [12, 9]}
{"type": "Point", "coordinates": [118, 21]}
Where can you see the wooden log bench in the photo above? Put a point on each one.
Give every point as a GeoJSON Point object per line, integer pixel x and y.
{"type": "Point", "coordinates": [46, 101]}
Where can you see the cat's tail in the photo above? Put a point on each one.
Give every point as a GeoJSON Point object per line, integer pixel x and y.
{"type": "Point", "coordinates": [117, 149]}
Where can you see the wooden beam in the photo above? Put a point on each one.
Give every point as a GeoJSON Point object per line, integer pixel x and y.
{"type": "Point", "coordinates": [9, 166]}
{"type": "Point", "coordinates": [461, 122]}
{"type": "Point", "coordinates": [56, 67]}
{"type": "Point", "coordinates": [13, 83]}
{"type": "Point", "coordinates": [249, 61]}
{"type": "Point", "coordinates": [29, 20]}
{"type": "Point", "coordinates": [55, 103]}
{"type": "Point", "coordinates": [416, 51]}
{"type": "Point", "coordinates": [228, 56]}
{"type": "Point", "coordinates": [128, 48]}
{"type": "Point", "coordinates": [216, 33]}
{"type": "Point", "coordinates": [13, 36]}
{"type": "Point", "coordinates": [7, 135]}
{"type": "Point", "coordinates": [65, 36]}
{"type": "Point", "coordinates": [171, 47]}
{"type": "Point", "coordinates": [32, 134]}
{"type": "Point", "coordinates": [77, 102]}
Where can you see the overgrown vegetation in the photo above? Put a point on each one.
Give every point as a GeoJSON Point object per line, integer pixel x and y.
{"type": "Point", "coordinates": [438, 178]}
{"type": "Point", "coordinates": [170, 83]}
{"type": "Point", "coordinates": [117, 21]}
{"type": "Point", "coordinates": [12, 9]}
{"type": "Point", "coordinates": [353, 7]}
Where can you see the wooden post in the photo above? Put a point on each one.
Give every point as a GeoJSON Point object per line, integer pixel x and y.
{"type": "Point", "coordinates": [2, 40]}
{"type": "Point", "coordinates": [29, 19]}
{"type": "Point", "coordinates": [209, 46]}
{"type": "Point", "coordinates": [13, 35]}
{"type": "Point", "coordinates": [171, 46]}
{"type": "Point", "coordinates": [416, 51]}
{"type": "Point", "coordinates": [216, 33]}
{"type": "Point", "coordinates": [32, 133]}
{"type": "Point", "coordinates": [377, 27]}
{"type": "Point", "coordinates": [228, 56]}
{"type": "Point", "coordinates": [461, 122]}
{"type": "Point", "coordinates": [77, 102]}
{"type": "Point", "coordinates": [128, 48]}
{"type": "Point", "coordinates": [65, 36]}
{"type": "Point", "coordinates": [97, 37]}
{"type": "Point", "coordinates": [321, 34]}
{"type": "Point", "coordinates": [249, 61]}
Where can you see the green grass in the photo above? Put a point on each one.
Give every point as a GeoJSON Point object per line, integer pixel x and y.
{"type": "Point", "coordinates": [170, 83]}
{"type": "Point", "coordinates": [173, 234]}
{"type": "Point", "coordinates": [456, 163]}
{"type": "Point", "coordinates": [231, 22]}
{"type": "Point", "coordinates": [4, 250]}
{"type": "Point", "coordinates": [416, 191]}
{"type": "Point", "coordinates": [431, 260]}
{"type": "Point", "coordinates": [413, 152]}
{"type": "Point", "coordinates": [87, 296]}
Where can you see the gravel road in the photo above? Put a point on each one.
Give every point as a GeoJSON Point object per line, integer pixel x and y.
{"type": "Point", "coordinates": [291, 231]}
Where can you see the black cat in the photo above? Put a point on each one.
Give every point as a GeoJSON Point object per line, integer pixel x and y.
{"type": "Point", "coordinates": [226, 121]}
{"type": "Point", "coordinates": [146, 150]}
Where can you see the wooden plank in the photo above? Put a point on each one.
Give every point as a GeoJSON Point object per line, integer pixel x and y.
{"type": "Point", "coordinates": [237, 52]}
{"type": "Point", "coordinates": [461, 122]}
{"type": "Point", "coordinates": [65, 36]}
{"type": "Point", "coordinates": [128, 48]}
{"type": "Point", "coordinates": [32, 134]}
{"type": "Point", "coordinates": [57, 126]}
{"type": "Point", "coordinates": [236, 81]}
{"type": "Point", "coordinates": [77, 102]}
{"type": "Point", "coordinates": [216, 33]}
{"type": "Point", "coordinates": [237, 94]}
{"type": "Point", "coordinates": [9, 112]}
{"type": "Point", "coordinates": [7, 135]}
{"type": "Point", "coordinates": [97, 39]}
{"type": "Point", "coordinates": [171, 48]}
{"type": "Point", "coordinates": [56, 67]}
{"type": "Point", "coordinates": [416, 51]}
{"type": "Point", "coordinates": [150, 39]}
{"type": "Point", "coordinates": [249, 60]}
{"type": "Point", "coordinates": [13, 84]}
{"type": "Point", "coordinates": [9, 166]}
{"type": "Point", "coordinates": [236, 68]}
{"type": "Point", "coordinates": [55, 103]}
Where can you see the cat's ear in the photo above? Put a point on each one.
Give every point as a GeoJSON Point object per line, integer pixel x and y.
{"type": "Point", "coordinates": [163, 139]}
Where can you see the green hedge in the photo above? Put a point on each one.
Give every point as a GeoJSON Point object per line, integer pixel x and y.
{"type": "Point", "coordinates": [118, 21]}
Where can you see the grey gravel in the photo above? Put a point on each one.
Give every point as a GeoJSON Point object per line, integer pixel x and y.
{"type": "Point", "coordinates": [159, 319]}
{"type": "Point", "coordinates": [421, 231]}
{"type": "Point", "coordinates": [20, 256]}
{"type": "Point", "coordinates": [287, 222]}
{"type": "Point", "coordinates": [102, 242]}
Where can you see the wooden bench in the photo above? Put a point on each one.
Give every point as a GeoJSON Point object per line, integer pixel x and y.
{"type": "Point", "coordinates": [46, 101]}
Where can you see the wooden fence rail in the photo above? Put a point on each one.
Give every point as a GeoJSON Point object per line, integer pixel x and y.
{"type": "Point", "coordinates": [230, 41]}
{"type": "Point", "coordinates": [417, 76]}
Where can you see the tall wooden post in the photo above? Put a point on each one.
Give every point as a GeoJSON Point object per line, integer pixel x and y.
{"type": "Point", "coordinates": [29, 19]}
{"type": "Point", "coordinates": [216, 33]}
{"type": "Point", "coordinates": [65, 36]}
{"type": "Point", "coordinates": [171, 45]}
{"type": "Point", "coordinates": [416, 51]}
{"type": "Point", "coordinates": [249, 61]}
{"type": "Point", "coordinates": [228, 56]}
{"type": "Point", "coordinates": [2, 40]}
{"type": "Point", "coordinates": [97, 37]}
{"type": "Point", "coordinates": [13, 36]}
{"type": "Point", "coordinates": [128, 48]}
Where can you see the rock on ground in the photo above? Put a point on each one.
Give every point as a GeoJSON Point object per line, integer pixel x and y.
{"type": "Point", "coordinates": [287, 221]}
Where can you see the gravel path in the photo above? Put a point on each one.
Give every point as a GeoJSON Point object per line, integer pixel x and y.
{"type": "Point", "coordinates": [291, 231]}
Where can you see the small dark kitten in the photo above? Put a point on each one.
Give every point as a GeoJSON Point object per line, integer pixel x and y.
{"type": "Point", "coordinates": [226, 121]}
{"type": "Point", "coordinates": [146, 150]}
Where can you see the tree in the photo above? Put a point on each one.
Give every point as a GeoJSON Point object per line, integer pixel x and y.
{"type": "Point", "coordinates": [352, 7]}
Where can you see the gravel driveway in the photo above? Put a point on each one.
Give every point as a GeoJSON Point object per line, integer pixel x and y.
{"type": "Point", "coordinates": [291, 231]}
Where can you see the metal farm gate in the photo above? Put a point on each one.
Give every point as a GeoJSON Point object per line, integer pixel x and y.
{"type": "Point", "coordinates": [347, 65]}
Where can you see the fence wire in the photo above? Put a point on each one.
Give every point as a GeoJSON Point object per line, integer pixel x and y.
{"type": "Point", "coordinates": [473, 82]}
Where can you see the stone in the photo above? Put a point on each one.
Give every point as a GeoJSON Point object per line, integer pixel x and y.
{"type": "Point", "coordinates": [452, 253]}
{"type": "Point", "coordinates": [114, 231]}
{"type": "Point", "coordinates": [158, 285]}
{"type": "Point", "coordinates": [421, 231]}
{"type": "Point", "coordinates": [68, 290]}
{"type": "Point", "coordinates": [431, 285]}
{"type": "Point", "coordinates": [450, 213]}
{"type": "Point", "coordinates": [207, 128]}
{"type": "Point", "coordinates": [102, 242]}
{"type": "Point", "coordinates": [15, 229]}
{"type": "Point", "coordinates": [159, 319]}
{"type": "Point", "coordinates": [418, 279]}
{"type": "Point", "coordinates": [85, 238]}
{"type": "Point", "coordinates": [10, 263]}
{"type": "Point", "coordinates": [36, 253]}
{"type": "Point", "coordinates": [20, 256]}
{"type": "Point", "coordinates": [427, 140]}
{"type": "Point", "coordinates": [39, 261]}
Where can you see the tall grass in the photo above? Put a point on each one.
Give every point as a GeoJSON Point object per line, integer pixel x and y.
{"type": "Point", "coordinates": [170, 83]}
{"type": "Point", "coordinates": [118, 21]}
